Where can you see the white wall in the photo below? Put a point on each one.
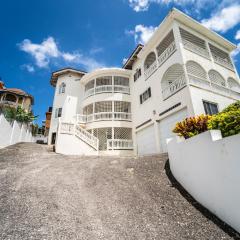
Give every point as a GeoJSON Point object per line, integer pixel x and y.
{"type": "Point", "coordinates": [208, 168]}
{"type": "Point", "coordinates": [13, 132]}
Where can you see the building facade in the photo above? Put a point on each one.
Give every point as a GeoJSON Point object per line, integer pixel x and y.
{"type": "Point", "coordinates": [184, 70]}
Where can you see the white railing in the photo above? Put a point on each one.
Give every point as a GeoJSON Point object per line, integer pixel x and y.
{"type": "Point", "coordinates": [78, 131]}
{"type": "Point", "coordinates": [222, 61]}
{"type": "Point", "coordinates": [106, 89]}
{"type": "Point", "coordinates": [198, 81]}
{"type": "Point", "coordinates": [167, 53]}
{"type": "Point", "coordinates": [148, 72]}
{"type": "Point", "coordinates": [119, 144]}
{"type": "Point", "coordinates": [9, 103]}
{"type": "Point", "coordinates": [101, 116]}
{"type": "Point", "coordinates": [195, 48]}
{"type": "Point", "coordinates": [174, 87]}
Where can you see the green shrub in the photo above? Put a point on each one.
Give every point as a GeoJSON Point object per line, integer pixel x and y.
{"type": "Point", "coordinates": [9, 113]}
{"type": "Point", "coordinates": [227, 121]}
{"type": "Point", "coordinates": [192, 126]}
{"type": "Point", "coordinates": [232, 107]}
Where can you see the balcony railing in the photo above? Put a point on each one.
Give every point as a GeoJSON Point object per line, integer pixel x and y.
{"type": "Point", "coordinates": [167, 53]}
{"type": "Point", "coordinates": [107, 89]}
{"type": "Point", "coordinates": [5, 102]}
{"type": "Point", "coordinates": [222, 61]}
{"type": "Point", "coordinates": [103, 116]}
{"type": "Point", "coordinates": [195, 48]}
{"type": "Point", "coordinates": [148, 72]}
{"type": "Point", "coordinates": [198, 81]}
{"type": "Point", "coordinates": [119, 144]}
{"type": "Point", "coordinates": [174, 87]}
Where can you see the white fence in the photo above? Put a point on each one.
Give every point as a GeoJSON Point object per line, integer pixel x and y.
{"type": "Point", "coordinates": [13, 132]}
{"type": "Point", "coordinates": [207, 166]}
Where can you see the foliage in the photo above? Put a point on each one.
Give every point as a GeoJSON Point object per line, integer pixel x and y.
{"type": "Point", "coordinates": [192, 126]}
{"type": "Point", "coordinates": [232, 107]}
{"type": "Point", "coordinates": [18, 114]}
{"type": "Point", "coordinates": [227, 121]}
{"type": "Point", "coordinates": [34, 129]}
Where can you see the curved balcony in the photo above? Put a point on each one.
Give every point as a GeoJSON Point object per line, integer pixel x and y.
{"type": "Point", "coordinates": [107, 89]}
{"type": "Point", "coordinates": [104, 116]}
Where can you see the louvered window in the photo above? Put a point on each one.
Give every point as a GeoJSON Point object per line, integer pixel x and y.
{"type": "Point", "coordinates": [121, 81]}
{"type": "Point", "coordinates": [165, 43]}
{"type": "Point", "coordinates": [151, 58]}
{"type": "Point", "coordinates": [216, 78]}
{"type": "Point", "coordinates": [104, 81]}
{"type": "Point", "coordinates": [105, 106]}
{"type": "Point", "coordinates": [196, 70]}
{"type": "Point", "coordinates": [137, 74]}
{"type": "Point", "coordinates": [89, 85]}
{"type": "Point", "coordinates": [88, 109]}
{"type": "Point", "coordinates": [194, 43]}
{"type": "Point", "coordinates": [146, 95]}
{"type": "Point", "coordinates": [120, 106]}
{"type": "Point", "coordinates": [221, 57]}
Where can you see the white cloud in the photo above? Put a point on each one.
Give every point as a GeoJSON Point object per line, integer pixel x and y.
{"type": "Point", "coordinates": [236, 51]}
{"type": "Point", "coordinates": [139, 5]}
{"type": "Point", "coordinates": [224, 19]}
{"type": "Point", "coordinates": [28, 67]}
{"type": "Point", "coordinates": [48, 50]}
{"type": "Point", "coordinates": [124, 60]}
{"type": "Point", "coordinates": [142, 33]}
{"type": "Point", "coordinates": [237, 36]}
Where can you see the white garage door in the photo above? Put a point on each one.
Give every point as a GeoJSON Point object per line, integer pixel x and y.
{"type": "Point", "coordinates": [146, 141]}
{"type": "Point", "coordinates": [167, 125]}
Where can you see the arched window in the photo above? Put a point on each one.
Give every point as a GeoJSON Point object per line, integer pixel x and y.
{"type": "Point", "coordinates": [196, 70]}
{"type": "Point", "coordinates": [216, 78]}
{"type": "Point", "coordinates": [151, 58]}
{"type": "Point", "coordinates": [233, 84]}
{"type": "Point", "coordinates": [62, 88]}
{"type": "Point", "coordinates": [173, 80]}
{"type": "Point", "coordinates": [11, 98]}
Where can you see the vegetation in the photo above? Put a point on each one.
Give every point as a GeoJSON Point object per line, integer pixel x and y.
{"type": "Point", "coordinates": [227, 121]}
{"type": "Point", "coordinates": [34, 129]}
{"type": "Point", "coordinates": [192, 126]}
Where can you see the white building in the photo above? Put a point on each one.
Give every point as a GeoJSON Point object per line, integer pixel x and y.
{"type": "Point", "coordinates": [185, 69]}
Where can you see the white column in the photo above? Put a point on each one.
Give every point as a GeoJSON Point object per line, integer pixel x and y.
{"type": "Point", "coordinates": [156, 131]}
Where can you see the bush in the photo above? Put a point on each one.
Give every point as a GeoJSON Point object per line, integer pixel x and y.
{"type": "Point", "coordinates": [228, 121]}
{"type": "Point", "coordinates": [192, 126]}
{"type": "Point", "coordinates": [9, 113]}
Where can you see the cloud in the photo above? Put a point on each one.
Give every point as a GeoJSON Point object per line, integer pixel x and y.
{"type": "Point", "coordinates": [237, 36]}
{"type": "Point", "coordinates": [48, 51]}
{"type": "Point", "coordinates": [124, 60]}
{"type": "Point", "coordinates": [224, 19]}
{"type": "Point", "coordinates": [28, 67]}
{"type": "Point", "coordinates": [236, 51]}
{"type": "Point", "coordinates": [142, 33]}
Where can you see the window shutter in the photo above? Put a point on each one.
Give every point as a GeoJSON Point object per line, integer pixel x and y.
{"type": "Point", "coordinates": [141, 99]}
{"type": "Point", "coordinates": [149, 92]}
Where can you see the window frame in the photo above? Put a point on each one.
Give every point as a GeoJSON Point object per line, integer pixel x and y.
{"type": "Point", "coordinates": [145, 95]}
{"type": "Point", "coordinates": [210, 110]}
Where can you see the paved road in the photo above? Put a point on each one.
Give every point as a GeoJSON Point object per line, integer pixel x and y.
{"type": "Point", "coordinates": [48, 196]}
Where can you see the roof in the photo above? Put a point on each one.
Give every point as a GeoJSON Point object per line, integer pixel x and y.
{"type": "Point", "coordinates": [128, 64]}
{"type": "Point", "coordinates": [62, 71]}
{"type": "Point", "coordinates": [18, 92]}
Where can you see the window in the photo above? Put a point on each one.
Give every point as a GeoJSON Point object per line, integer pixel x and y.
{"type": "Point", "coordinates": [58, 112]}
{"type": "Point", "coordinates": [137, 74]}
{"type": "Point", "coordinates": [62, 88]}
{"type": "Point", "coordinates": [146, 95]}
{"type": "Point", "coordinates": [210, 108]}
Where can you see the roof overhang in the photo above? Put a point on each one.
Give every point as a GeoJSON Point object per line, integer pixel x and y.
{"type": "Point", "coordinates": [64, 71]}
{"type": "Point", "coordinates": [129, 63]}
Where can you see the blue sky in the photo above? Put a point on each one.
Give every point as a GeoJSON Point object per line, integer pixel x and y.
{"type": "Point", "coordinates": [38, 37]}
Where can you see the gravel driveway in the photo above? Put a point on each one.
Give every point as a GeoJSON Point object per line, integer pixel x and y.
{"type": "Point", "coordinates": [44, 195]}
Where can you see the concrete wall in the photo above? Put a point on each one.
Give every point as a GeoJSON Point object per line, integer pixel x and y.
{"type": "Point", "coordinates": [207, 166]}
{"type": "Point", "coordinates": [13, 132]}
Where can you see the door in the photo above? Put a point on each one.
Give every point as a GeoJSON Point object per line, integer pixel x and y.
{"type": "Point", "coordinates": [53, 138]}
{"type": "Point", "coordinates": [146, 143]}
{"type": "Point", "coordinates": [166, 126]}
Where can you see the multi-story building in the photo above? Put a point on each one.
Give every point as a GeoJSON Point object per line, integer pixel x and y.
{"type": "Point", "coordinates": [15, 97]}
{"type": "Point", "coordinates": [185, 69]}
{"type": "Point", "coordinates": [48, 121]}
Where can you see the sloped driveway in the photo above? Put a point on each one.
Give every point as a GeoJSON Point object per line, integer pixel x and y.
{"type": "Point", "coordinates": [48, 196]}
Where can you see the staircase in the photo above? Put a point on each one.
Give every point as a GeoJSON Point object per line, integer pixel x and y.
{"type": "Point", "coordinates": [79, 132]}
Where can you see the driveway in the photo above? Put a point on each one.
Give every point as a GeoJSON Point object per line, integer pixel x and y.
{"type": "Point", "coordinates": [44, 195]}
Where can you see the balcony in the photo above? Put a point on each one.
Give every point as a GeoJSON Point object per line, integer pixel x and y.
{"type": "Point", "coordinates": [9, 103]}
{"type": "Point", "coordinates": [119, 144]}
{"type": "Point", "coordinates": [107, 89]}
{"type": "Point", "coordinates": [167, 53]}
{"type": "Point", "coordinates": [222, 61]}
{"type": "Point", "coordinates": [104, 116]}
{"type": "Point", "coordinates": [150, 70]}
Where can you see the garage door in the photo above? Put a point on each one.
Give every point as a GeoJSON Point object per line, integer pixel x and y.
{"type": "Point", "coordinates": [146, 141]}
{"type": "Point", "coordinates": [166, 126]}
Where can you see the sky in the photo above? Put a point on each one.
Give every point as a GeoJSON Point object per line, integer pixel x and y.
{"type": "Point", "coordinates": [39, 37]}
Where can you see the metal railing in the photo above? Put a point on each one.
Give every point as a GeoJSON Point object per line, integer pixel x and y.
{"type": "Point", "coordinates": [148, 72]}
{"type": "Point", "coordinates": [107, 89]}
{"type": "Point", "coordinates": [78, 131]}
{"type": "Point", "coordinates": [101, 116]}
{"type": "Point", "coordinates": [119, 144]}
{"type": "Point", "coordinates": [174, 87]}
{"type": "Point", "coordinates": [167, 53]}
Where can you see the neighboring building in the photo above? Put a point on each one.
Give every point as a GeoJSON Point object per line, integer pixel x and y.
{"type": "Point", "coordinates": [15, 97]}
{"type": "Point", "coordinates": [185, 69]}
{"type": "Point", "coordinates": [48, 121]}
